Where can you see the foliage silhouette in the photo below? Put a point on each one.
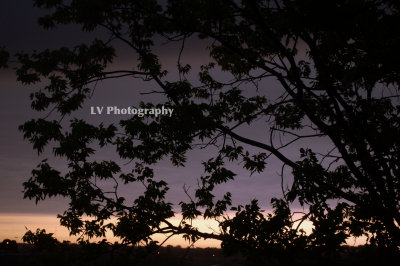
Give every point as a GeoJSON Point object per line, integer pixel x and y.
{"type": "Point", "coordinates": [40, 240]}
{"type": "Point", "coordinates": [9, 245]}
{"type": "Point", "coordinates": [336, 63]}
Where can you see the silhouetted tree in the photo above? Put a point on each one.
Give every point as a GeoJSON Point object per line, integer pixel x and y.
{"type": "Point", "coordinates": [337, 66]}
{"type": "Point", "coordinates": [40, 240]}
{"type": "Point", "coordinates": [9, 245]}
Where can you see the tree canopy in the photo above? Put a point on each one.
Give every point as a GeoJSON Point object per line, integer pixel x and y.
{"type": "Point", "coordinates": [336, 63]}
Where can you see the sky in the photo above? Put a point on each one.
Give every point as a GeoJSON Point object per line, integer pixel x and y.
{"type": "Point", "coordinates": [21, 33]}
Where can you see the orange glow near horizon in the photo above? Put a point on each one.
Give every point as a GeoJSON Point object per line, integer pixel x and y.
{"type": "Point", "coordinates": [13, 226]}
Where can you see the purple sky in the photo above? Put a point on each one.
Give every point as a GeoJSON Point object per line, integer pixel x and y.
{"type": "Point", "coordinates": [20, 33]}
